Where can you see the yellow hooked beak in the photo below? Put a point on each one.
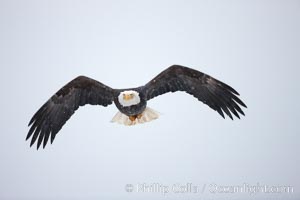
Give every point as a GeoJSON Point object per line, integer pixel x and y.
{"type": "Point", "coordinates": [127, 96]}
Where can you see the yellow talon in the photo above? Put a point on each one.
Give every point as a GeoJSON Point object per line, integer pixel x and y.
{"type": "Point", "coordinates": [132, 118]}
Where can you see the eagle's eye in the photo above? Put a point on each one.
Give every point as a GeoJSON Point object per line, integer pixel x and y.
{"type": "Point", "coordinates": [128, 96]}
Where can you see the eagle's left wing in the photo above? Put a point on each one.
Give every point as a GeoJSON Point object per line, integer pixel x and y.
{"type": "Point", "coordinates": [51, 117]}
{"type": "Point", "coordinates": [216, 94]}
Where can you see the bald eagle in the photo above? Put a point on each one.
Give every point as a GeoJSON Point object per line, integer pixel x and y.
{"type": "Point", "coordinates": [132, 102]}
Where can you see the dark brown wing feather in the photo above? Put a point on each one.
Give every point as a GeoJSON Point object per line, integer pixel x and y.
{"type": "Point", "coordinates": [50, 118]}
{"type": "Point", "coordinates": [216, 94]}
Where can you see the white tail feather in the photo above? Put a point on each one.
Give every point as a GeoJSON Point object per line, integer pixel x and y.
{"type": "Point", "coordinates": [147, 116]}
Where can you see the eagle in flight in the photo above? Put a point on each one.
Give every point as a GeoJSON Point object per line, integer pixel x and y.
{"type": "Point", "coordinates": [132, 102]}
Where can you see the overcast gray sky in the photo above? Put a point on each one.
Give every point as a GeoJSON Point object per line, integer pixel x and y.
{"type": "Point", "coordinates": [251, 45]}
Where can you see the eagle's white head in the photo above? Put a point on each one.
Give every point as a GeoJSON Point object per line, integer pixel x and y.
{"type": "Point", "coordinates": [129, 98]}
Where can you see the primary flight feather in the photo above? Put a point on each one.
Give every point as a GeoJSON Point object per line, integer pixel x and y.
{"type": "Point", "coordinates": [132, 102]}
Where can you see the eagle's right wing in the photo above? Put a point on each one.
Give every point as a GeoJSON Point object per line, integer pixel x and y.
{"type": "Point", "coordinates": [216, 94]}
{"type": "Point", "coordinates": [50, 118]}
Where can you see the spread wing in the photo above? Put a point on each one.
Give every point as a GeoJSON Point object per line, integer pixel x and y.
{"type": "Point", "coordinates": [50, 118]}
{"type": "Point", "coordinates": [216, 94]}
